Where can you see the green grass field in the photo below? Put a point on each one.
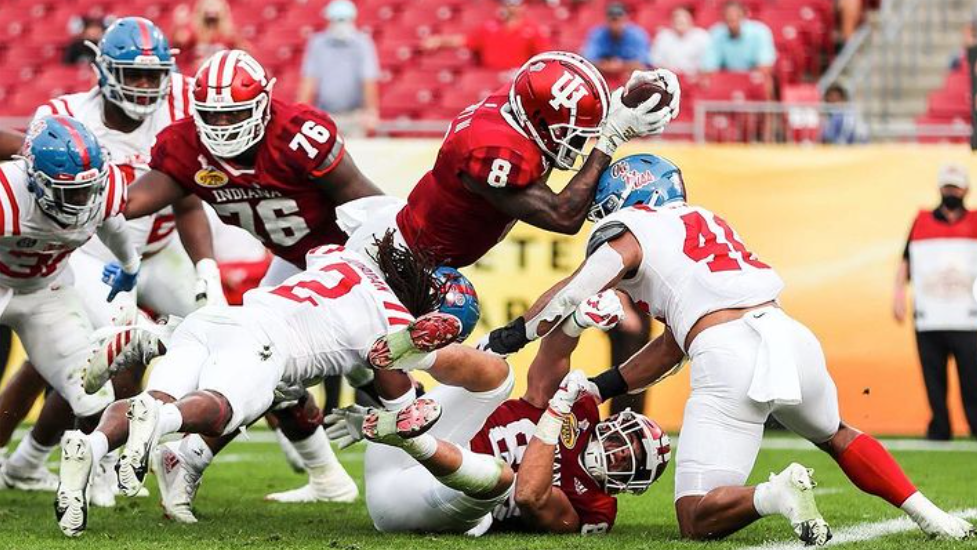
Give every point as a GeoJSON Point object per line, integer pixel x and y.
{"type": "Point", "coordinates": [233, 515]}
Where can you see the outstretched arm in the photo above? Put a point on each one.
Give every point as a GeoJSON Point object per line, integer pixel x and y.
{"type": "Point", "coordinates": [344, 182]}
{"type": "Point", "coordinates": [652, 362]}
{"type": "Point", "coordinates": [150, 193]}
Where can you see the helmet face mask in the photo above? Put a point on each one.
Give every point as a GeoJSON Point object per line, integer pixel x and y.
{"type": "Point", "coordinates": [71, 202]}
{"type": "Point", "coordinates": [134, 62]}
{"type": "Point", "coordinates": [232, 103]}
{"type": "Point", "coordinates": [626, 453]}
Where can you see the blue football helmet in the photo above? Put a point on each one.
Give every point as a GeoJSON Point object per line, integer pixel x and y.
{"type": "Point", "coordinates": [134, 62]}
{"type": "Point", "coordinates": [460, 299]}
{"type": "Point", "coordinates": [637, 179]}
{"type": "Point", "coordinates": [66, 169]}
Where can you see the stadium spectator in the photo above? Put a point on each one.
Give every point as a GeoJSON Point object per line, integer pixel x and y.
{"type": "Point", "coordinates": [206, 30]}
{"type": "Point", "coordinates": [843, 125]}
{"type": "Point", "coordinates": [739, 43]}
{"type": "Point", "coordinates": [618, 46]}
{"type": "Point", "coordinates": [88, 29]}
{"type": "Point", "coordinates": [682, 46]}
{"type": "Point", "coordinates": [502, 44]}
{"type": "Point", "coordinates": [340, 71]}
{"type": "Point", "coordinates": [941, 260]}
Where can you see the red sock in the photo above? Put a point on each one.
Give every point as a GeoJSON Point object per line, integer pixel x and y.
{"type": "Point", "coordinates": [873, 470]}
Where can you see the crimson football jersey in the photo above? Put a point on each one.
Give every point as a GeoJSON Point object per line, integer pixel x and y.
{"type": "Point", "coordinates": [275, 200]}
{"type": "Point", "coordinates": [445, 219]}
{"type": "Point", "coordinates": [506, 434]}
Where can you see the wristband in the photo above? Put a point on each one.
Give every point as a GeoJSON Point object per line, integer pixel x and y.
{"type": "Point", "coordinates": [571, 327]}
{"type": "Point", "coordinates": [610, 383]}
{"type": "Point", "coordinates": [549, 427]}
{"type": "Point", "coordinates": [510, 338]}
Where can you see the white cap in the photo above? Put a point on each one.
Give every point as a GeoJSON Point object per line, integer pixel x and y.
{"type": "Point", "coordinates": [955, 174]}
{"type": "Point", "coordinates": [340, 10]}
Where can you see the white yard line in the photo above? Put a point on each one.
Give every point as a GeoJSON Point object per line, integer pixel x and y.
{"type": "Point", "coordinates": [862, 532]}
{"type": "Point", "coordinates": [797, 444]}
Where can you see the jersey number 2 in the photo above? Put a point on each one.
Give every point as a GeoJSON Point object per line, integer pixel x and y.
{"type": "Point", "coordinates": [348, 279]}
{"type": "Point", "coordinates": [701, 242]}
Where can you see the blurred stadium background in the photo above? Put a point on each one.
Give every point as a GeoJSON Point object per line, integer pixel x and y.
{"type": "Point", "coordinates": [832, 218]}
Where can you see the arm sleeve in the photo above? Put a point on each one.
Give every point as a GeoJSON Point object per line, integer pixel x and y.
{"type": "Point", "coordinates": [113, 233]}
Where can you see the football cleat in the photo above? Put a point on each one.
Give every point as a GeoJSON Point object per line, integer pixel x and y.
{"type": "Point", "coordinates": [143, 418]}
{"type": "Point", "coordinates": [133, 340]}
{"type": "Point", "coordinates": [34, 479]}
{"type": "Point", "coordinates": [177, 483]}
{"type": "Point", "coordinates": [425, 334]}
{"type": "Point", "coordinates": [934, 521]}
{"type": "Point", "coordinates": [393, 427]}
{"type": "Point", "coordinates": [71, 504]}
{"type": "Point", "coordinates": [326, 484]}
{"type": "Point", "coordinates": [795, 488]}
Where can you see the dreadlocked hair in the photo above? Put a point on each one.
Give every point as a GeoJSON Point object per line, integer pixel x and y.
{"type": "Point", "coordinates": [410, 275]}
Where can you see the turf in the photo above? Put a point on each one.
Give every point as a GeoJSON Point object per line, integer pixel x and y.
{"type": "Point", "coordinates": [233, 515]}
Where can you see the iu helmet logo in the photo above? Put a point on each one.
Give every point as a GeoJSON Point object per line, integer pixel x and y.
{"type": "Point", "coordinates": [560, 100]}
{"type": "Point", "coordinates": [568, 91]}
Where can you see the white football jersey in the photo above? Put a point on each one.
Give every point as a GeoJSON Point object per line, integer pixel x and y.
{"type": "Point", "coordinates": [328, 316]}
{"type": "Point", "coordinates": [130, 152]}
{"type": "Point", "coordinates": [693, 263]}
{"type": "Point", "coordinates": [34, 247]}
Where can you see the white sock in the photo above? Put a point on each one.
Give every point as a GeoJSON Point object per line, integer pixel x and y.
{"type": "Point", "coordinates": [100, 445]}
{"type": "Point", "coordinates": [421, 447]}
{"type": "Point", "coordinates": [478, 473]}
{"type": "Point", "coordinates": [765, 500]}
{"type": "Point", "coordinates": [170, 419]}
{"type": "Point", "coordinates": [195, 453]}
{"type": "Point", "coordinates": [315, 450]}
{"type": "Point", "coordinates": [29, 454]}
{"type": "Point", "coordinates": [400, 402]}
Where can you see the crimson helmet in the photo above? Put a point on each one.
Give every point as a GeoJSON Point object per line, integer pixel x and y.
{"type": "Point", "coordinates": [627, 453]}
{"type": "Point", "coordinates": [561, 99]}
{"type": "Point", "coordinates": [231, 82]}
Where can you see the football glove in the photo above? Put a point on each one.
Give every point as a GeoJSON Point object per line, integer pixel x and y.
{"type": "Point", "coordinates": [603, 311]}
{"type": "Point", "coordinates": [574, 386]}
{"type": "Point", "coordinates": [345, 425]}
{"type": "Point", "coordinates": [208, 290]}
{"type": "Point", "coordinates": [114, 275]}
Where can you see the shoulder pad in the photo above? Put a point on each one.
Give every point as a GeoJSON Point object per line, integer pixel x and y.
{"type": "Point", "coordinates": [604, 233]}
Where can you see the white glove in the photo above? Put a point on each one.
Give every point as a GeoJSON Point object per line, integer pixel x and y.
{"type": "Point", "coordinates": [574, 386]}
{"type": "Point", "coordinates": [208, 290]}
{"type": "Point", "coordinates": [603, 311]}
{"type": "Point", "coordinates": [345, 425]}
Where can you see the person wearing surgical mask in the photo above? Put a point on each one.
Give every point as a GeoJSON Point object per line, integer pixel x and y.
{"type": "Point", "coordinates": [941, 260]}
{"type": "Point", "coordinates": [340, 72]}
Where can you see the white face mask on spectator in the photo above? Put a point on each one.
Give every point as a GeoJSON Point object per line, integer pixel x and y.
{"type": "Point", "coordinates": [343, 30]}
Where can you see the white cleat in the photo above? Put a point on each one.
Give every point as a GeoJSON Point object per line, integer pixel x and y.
{"type": "Point", "coordinates": [795, 488]}
{"type": "Point", "coordinates": [177, 484]}
{"type": "Point", "coordinates": [143, 436]}
{"type": "Point", "coordinates": [326, 484]}
{"type": "Point", "coordinates": [934, 521]}
{"type": "Point", "coordinates": [71, 505]}
{"type": "Point", "coordinates": [34, 479]}
{"type": "Point", "coordinates": [132, 340]}
{"type": "Point", "coordinates": [103, 489]}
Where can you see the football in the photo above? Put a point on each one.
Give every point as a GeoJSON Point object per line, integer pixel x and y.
{"type": "Point", "coordinates": [643, 91]}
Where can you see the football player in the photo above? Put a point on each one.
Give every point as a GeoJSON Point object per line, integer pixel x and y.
{"type": "Point", "coordinates": [52, 201]}
{"type": "Point", "coordinates": [275, 169]}
{"type": "Point", "coordinates": [137, 95]}
{"type": "Point", "coordinates": [545, 462]}
{"type": "Point", "coordinates": [686, 266]}
{"type": "Point", "coordinates": [498, 154]}
{"type": "Point", "coordinates": [224, 365]}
